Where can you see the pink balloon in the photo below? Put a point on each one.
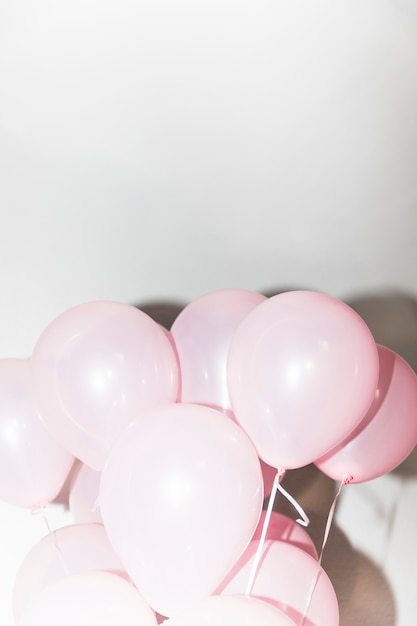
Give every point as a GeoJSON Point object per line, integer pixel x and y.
{"type": "Point", "coordinates": [302, 372]}
{"type": "Point", "coordinates": [388, 432]}
{"type": "Point", "coordinates": [89, 599]}
{"type": "Point", "coordinates": [286, 577]}
{"type": "Point", "coordinates": [69, 550]}
{"type": "Point", "coordinates": [84, 501]}
{"type": "Point", "coordinates": [202, 334]}
{"type": "Point", "coordinates": [283, 528]}
{"type": "Point", "coordinates": [33, 466]}
{"type": "Point", "coordinates": [97, 367]}
{"type": "Point", "coordinates": [231, 611]}
{"type": "Point", "coordinates": [181, 495]}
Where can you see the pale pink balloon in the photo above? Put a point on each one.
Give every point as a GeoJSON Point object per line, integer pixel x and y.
{"type": "Point", "coordinates": [236, 610]}
{"type": "Point", "coordinates": [302, 372]}
{"type": "Point", "coordinates": [83, 500]}
{"type": "Point", "coordinates": [289, 579]}
{"type": "Point", "coordinates": [89, 599]}
{"type": "Point", "coordinates": [69, 550]}
{"type": "Point", "coordinates": [388, 432]}
{"type": "Point", "coordinates": [33, 466]}
{"type": "Point", "coordinates": [97, 367]}
{"type": "Point", "coordinates": [181, 495]}
{"type": "Point", "coordinates": [283, 528]}
{"type": "Point", "coordinates": [202, 334]}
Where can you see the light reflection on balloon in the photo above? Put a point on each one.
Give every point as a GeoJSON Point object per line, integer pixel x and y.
{"type": "Point", "coordinates": [181, 493]}
{"type": "Point", "coordinates": [296, 362]}
{"type": "Point", "coordinates": [388, 432]}
{"type": "Point", "coordinates": [179, 485]}
{"type": "Point", "coordinates": [96, 368]}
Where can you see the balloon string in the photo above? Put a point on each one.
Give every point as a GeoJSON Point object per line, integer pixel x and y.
{"type": "Point", "coordinates": [280, 473]}
{"type": "Point", "coordinates": [302, 520]}
{"type": "Point", "coordinates": [42, 510]}
{"type": "Point", "coordinates": [345, 480]}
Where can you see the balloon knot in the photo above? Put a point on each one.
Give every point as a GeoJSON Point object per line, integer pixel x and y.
{"type": "Point", "coordinates": [41, 507]}
{"type": "Point", "coordinates": [281, 473]}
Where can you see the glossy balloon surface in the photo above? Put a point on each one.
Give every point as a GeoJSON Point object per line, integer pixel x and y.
{"type": "Point", "coordinates": [202, 334]}
{"type": "Point", "coordinates": [89, 599]}
{"type": "Point", "coordinates": [388, 432]}
{"type": "Point", "coordinates": [236, 610]}
{"type": "Point", "coordinates": [72, 549]}
{"type": "Point", "coordinates": [181, 495]}
{"type": "Point", "coordinates": [33, 465]}
{"type": "Point", "coordinates": [302, 372]}
{"type": "Point", "coordinates": [286, 577]}
{"type": "Point", "coordinates": [96, 368]}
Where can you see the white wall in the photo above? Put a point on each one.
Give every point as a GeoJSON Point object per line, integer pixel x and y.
{"type": "Point", "coordinates": [156, 150]}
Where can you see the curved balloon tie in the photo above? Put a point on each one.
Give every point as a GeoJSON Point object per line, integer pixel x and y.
{"type": "Point", "coordinates": [303, 520]}
{"type": "Point", "coordinates": [345, 481]}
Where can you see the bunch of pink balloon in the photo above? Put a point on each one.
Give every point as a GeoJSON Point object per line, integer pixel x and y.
{"type": "Point", "coordinates": [178, 437]}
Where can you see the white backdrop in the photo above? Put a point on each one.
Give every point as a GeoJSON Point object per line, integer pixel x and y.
{"type": "Point", "coordinates": [151, 151]}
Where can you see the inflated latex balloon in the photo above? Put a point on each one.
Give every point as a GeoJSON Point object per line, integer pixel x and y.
{"type": "Point", "coordinates": [302, 372]}
{"type": "Point", "coordinates": [181, 495]}
{"type": "Point", "coordinates": [33, 466]}
{"type": "Point", "coordinates": [289, 579]}
{"type": "Point", "coordinates": [236, 610]}
{"type": "Point", "coordinates": [83, 500]}
{"type": "Point", "coordinates": [89, 599]}
{"type": "Point", "coordinates": [202, 334]}
{"type": "Point", "coordinates": [73, 549]}
{"type": "Point", "coordinates": [97, 367]}
{"type": "Point", "coordinates": [388, 432]}
{"type": "Point", "coordinates": [283, 528]}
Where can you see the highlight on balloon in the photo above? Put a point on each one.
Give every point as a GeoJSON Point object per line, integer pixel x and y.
{"type": "Point", "coordinates": [174, 444]}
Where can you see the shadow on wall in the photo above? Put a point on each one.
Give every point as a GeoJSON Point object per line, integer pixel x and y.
{"type": "Point", "coordinates": [164, 313]}
{"type": "Point", "coordinates": [363, 591]}
{"type": "Point", "coordinates": [391, 316]}
{"type": "Point", "coordinates": [360, 585]}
